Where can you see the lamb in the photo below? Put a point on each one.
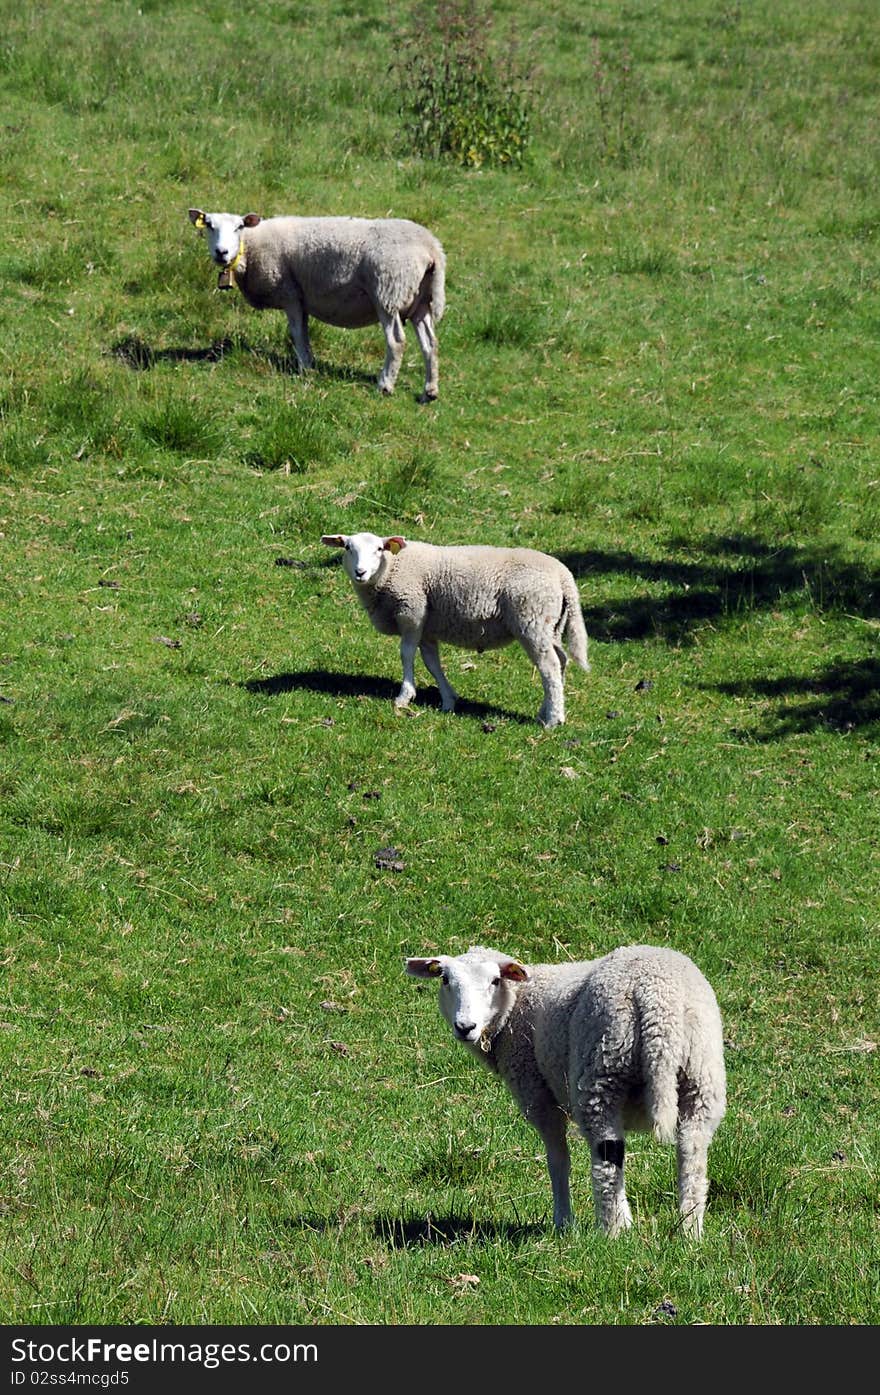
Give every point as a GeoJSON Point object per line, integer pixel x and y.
{"type": "Point", "coordinates": [474, 597]}
{"type": "Point", "coordinates": [629, 1041]}
{"type": "Point", "coordinates": [348, 272]}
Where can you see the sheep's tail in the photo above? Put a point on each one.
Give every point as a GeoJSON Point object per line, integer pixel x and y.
{"type": "Point", "coordinates": [662, 1035]}
{"type": "Point", "coordinates": [574, 631]}
{"type": "Point", "coordinates": [437, 294]}
{"type": "Point", "coordinates": [662, 1097]}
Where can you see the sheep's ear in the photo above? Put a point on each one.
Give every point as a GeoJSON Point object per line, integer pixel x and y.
{"type": "Point", "coordinates": [251, 220]}
{"type": "Point", "coordinates": [197, 218]}
{"type": "Point", "coordinates": [424, 968]}
{"type": "Point", "coordinates": [394, 545]}
{"type": "Point", "coordinates": [334, 539]}
{"type": "Point", "coordinates": [514, 972]}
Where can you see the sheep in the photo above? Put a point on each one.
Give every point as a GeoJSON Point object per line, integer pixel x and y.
{"type": "Point", "coordinates": [349, 272]}
{"type": "Point", "coordinates": [474, 597]}
{"type": "Point", "coordinates": [629, 1041]}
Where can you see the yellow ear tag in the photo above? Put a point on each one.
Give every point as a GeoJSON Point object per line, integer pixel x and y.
{"type": "Point", "coordinates": [199, 223]}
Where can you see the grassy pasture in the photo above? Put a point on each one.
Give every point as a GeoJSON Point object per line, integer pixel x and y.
{"type": "Point", "coordinates": [223, 1101]}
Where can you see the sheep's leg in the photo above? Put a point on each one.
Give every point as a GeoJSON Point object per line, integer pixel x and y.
{"type": "Point", "coordinates": [552, 1128]}
{"type": "Point", "coordinates": [392, 327]}
{"type": "Point", "coordinates": [559, 1167]}
{"type": "Point", "coordinates": [692, 1146]}
{"type": "Point", "coordinates": [546, 660]}
{"type": "Point", "coordinates": [609, 1194]}
{"type": "Point", "coordinates": [431, 656]}
{"type": "Point", "coordinates": [409, 643]}
{"type": "Point", "coordinates": [423, 324]}
{"type": "Point", "coordinates": [298, 324]}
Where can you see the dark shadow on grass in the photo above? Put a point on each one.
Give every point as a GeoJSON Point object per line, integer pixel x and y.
{"type": "Point", "coordinates": [737, 575]}
{"type": "Point", "coordinates": [319, 680]}
{"type": "Point", "coordinates": [140, 356]}
{"type": "Point", "coordinates": [743, 574]}
{"type": "Point", "coordinates": [409, 1232]}
{"type": "Point", "coordinates": [842, 697]}
{"type": "Point", "coordinates": [400, 1232]}
{"type": "Point", "coordinates": [137, 354]}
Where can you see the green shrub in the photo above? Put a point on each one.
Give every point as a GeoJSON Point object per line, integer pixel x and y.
{"type": "Point", "coordinates": [460, 98]}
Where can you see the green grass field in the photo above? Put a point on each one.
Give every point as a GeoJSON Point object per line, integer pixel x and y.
{"type": "Point", "coordinates": [223, 1101]}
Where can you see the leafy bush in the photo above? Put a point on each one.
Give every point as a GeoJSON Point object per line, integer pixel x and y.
{"type": "Point", "coordinates": [460, 98]}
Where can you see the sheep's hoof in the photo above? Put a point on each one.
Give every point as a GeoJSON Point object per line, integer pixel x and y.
{"type": "Point", "coordinates": [615, 1230]}
{"type": "Point", "coordinates": [618, 1222]}
{"type": "Point", "coordinates": [692, 1225]}
{"type": "Point", "coordinates": [429, 396]}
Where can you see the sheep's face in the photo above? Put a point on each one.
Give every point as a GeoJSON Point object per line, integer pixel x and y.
{"type": "Point", "coordinates": [477, 992]}
{"type": "Point", "coordinates": [365, 555]}
{"type": "Point", "coordinates": [223, 231]}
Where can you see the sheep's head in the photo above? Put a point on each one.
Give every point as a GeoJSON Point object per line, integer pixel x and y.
{"type": "Point", "coordinates": [365, 553]}
{"type": "Point", "coordinates": [477, 991]}
{"type": "Point", "coordinates": [223, 231]}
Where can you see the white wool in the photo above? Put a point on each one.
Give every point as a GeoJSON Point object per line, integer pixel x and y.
{"type": "Point", "coordinates": [348, 272]}
{"type": "Point", "coordinates": [476, 597]}
{"type": "Point", "coordinates": [631, 1041]}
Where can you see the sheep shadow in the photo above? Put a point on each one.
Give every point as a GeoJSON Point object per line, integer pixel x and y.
{"type": "Point", "coordinates": [406, 1233]}
{"type": "Point", "coordinates": [349, 685]}
{"type": "Point", "coordinates": [744, 574]}
{"type": "Point", "coordinates": [415, 1232]}
{"type": "Point", "coordinates": [141, 357]}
